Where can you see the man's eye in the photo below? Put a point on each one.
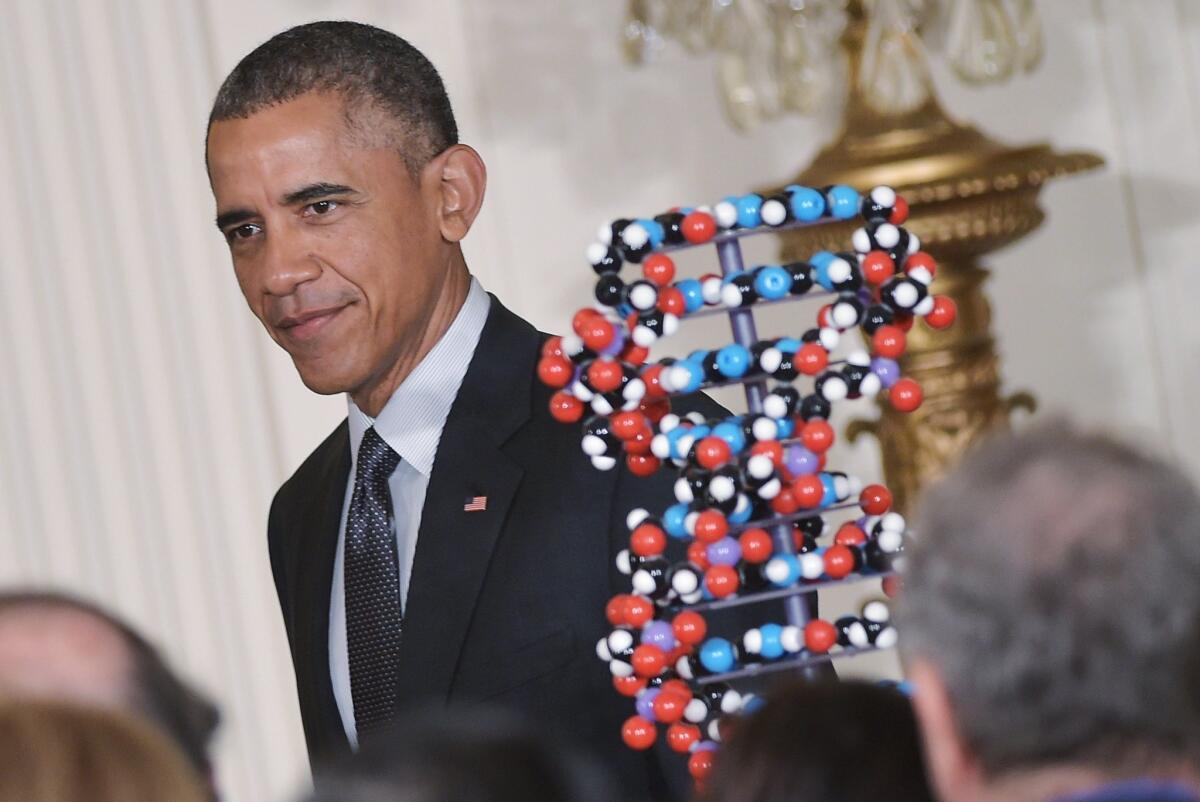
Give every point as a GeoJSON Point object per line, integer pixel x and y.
{"type": "Point", "coordinates": [244, 231]}
{"type": "Point", "coordinates": [323, 207]}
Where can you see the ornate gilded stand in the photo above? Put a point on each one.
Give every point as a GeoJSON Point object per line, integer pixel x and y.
{"type": "Point", "coordinates": [968, 195]}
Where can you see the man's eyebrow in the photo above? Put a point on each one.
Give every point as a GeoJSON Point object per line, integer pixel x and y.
{"type": "Point", "coordinates": [234, 216]}
{"type": "Point", "coordinates": [314, 192]}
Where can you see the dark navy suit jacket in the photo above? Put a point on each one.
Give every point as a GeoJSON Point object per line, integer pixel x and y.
{"type": "Point", "coordinates": [505, 605]}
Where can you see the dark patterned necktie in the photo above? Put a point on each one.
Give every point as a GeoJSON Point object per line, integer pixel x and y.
{"type": "Point", "coordinates": [372, 577]}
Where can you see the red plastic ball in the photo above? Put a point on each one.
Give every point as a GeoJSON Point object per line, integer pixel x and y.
{"type": "Point", "coordinates": [713, 452]}
{"type": "Point", "coordinates": [648, 540]}
{"type": "Point", "coordinates": [771, 448]}
{"type": "Point", "coordinates": [598, 334]}
{"type": "Point", "coordinates": [903, 321]}
{"type": "Point", "coordinates": [655, 409]}
{"type": "Point", "coordinates": [839, 561]}
{"type": "Point", "coordinates": [784, 502]}
{"type": "Point", "coordinates": [698, 227]}
{"type": "Point", "coordinates": [638, 733]}
{"type": "Point", "coordinates": [652, 378]}
{"type": "Point", "coordinates": [629, 686]}
{"type": "Point", "coordinates": [824, 318]}
{"type": "Point", "coordinates": [756, 545]}
{"type": "Point", "coordinates": [875, 499]}
{"type": "Point", "coordinates": [565, 408]}
{"type": "Point", "coordinates": [848, 534]}
{"type": "Point", "coordinates": [642, 465]}
{"type": "Point", "coordinates": [583, 318]}
{"type": "Point", "coordinates": [605, 375]}
{"type": "Point", "coordinates": [638, 610]}
{"type": "Point", "coordinates": [711, 526]}
{"type": "Point", "coordinates": [819, 636]}
{"type": "Point", "coordinates": [677, 686]}
{"type": "Point", "coordinates": [700, 764]}
{"type": "Point", "coordinates": [669, 706]}
{"type": "Point", "coordinates": [633, 353]}
{"type": "Point", "coordinates": [555, 371]}
{"type": "Point", "coordinates": [552, 347]}
{"type": "Point", "coordinates": [658, 268]}
{"type": "Point", "coordinates": [906, 395]}
{"type": "Point", "coordinates": [671, 301]}
{"type": "Point", "coordinates": [918, 260]}
{"type": "Point", "coordinates": [808, 491]}
{"type": "Point", "coordinates": [640, 442]}
{"type": "Point", "coordinates": [721, 580]}
{"type": "Point", "coordinates": [689, 627]}
{"type": "Point", "coordinates": [614, 611]}
{"type": "Point", "coordinates": [878, 267]}
{"type": "Point", "coordinates": [626, 424]}
{"type": "Point", "coordinates": [899, 211]}
{"type": "Point", "coordinates": [889, 341]}
{"type": "Point", "coordinates": [681, 736]}
{"type": "Point", "coordinates": [697, 554]}
{"type": "Point", "coordinates": [892, 585]}
{"type": "Point", "coordinates": [817, 436]}
{"type": "Point", "coordinates": [648, 660]}
{"type": "Point", "coordinates": [811, 359]}
{"type": "Point", "coordinates": [943, 314]}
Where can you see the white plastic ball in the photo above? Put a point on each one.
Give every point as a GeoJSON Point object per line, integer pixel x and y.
{"type": "Point", "coordinates": [877, 611]}
{"type": "Point", "coordinates": [725, 213]}
{"type": "Point", "coordinates": [603, 463]}
{"type": "Point", "coordinates": [635, 518]}
{"type": "Point", "coordinates": [887, 236]}
{"type": "Point", "coordinates": [596, 253]}
{"type": "Point", "coordinates": [773, 212]}
{"type": "Point", "coordinates": [643, 297]}
{"type": "Point", "coordinates": [635, 235]}
{"type": "Point", "coordinates": [812, 566]}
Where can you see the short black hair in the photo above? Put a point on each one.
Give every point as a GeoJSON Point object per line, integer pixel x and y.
{"type": "Point", "coordinates": [159, 695]}
{"type": "Point", "coordinates": [823, 742]}
{"type": "Point", "coordinates": [369, 67]}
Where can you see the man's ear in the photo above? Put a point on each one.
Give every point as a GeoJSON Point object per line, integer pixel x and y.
{"type": "Point", "coordinates": [953, 771]}
{"type": "Point", "coordinates": [461, 178]}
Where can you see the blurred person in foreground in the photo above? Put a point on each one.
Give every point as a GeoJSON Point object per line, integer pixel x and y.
{"type": "Point", "coordinates": [54, 646]}
{"type": "Point", "coordinates": [56, 752]}
{"type": "Point", "coordinates": [1050, 624]}
{"type": "Point", "coordinates": [465, 755]}
{"type": "Point", "coordinates": [823, 742]}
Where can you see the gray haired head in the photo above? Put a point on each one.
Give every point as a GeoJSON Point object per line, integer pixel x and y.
{"type": "Point", "coordinates": [1055, 587]}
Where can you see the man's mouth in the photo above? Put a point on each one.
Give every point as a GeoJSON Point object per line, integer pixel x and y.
{"type": "Point", "coordinates": [307, 324]}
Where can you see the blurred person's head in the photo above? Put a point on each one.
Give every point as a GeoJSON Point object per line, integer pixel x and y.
{"type": "Point", "coordinates": [1051, 617]}
{"type": "Point", "coordinates": [823, 742]}
{"type": "Point", "coordinates": [464, 755]}
{"type": "Point", "coordinates": [54, 646]}
{"type": "Point", "coordinates": [58, 752]}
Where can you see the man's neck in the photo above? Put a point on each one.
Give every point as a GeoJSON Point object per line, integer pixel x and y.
{"type": "Point", "coordinates": [372, 398]}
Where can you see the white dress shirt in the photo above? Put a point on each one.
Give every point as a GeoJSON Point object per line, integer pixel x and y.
{"type": "Point", "coordinates": [411, 423]}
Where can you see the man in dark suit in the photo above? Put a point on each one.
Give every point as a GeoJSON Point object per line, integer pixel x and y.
{"type": "Point", "coordinates": [449, 506]}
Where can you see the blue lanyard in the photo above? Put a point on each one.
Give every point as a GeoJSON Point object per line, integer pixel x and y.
{"type": "Point", "coordinates": [1136, 791]}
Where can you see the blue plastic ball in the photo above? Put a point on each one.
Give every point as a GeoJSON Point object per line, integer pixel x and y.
{"type": "Point", "coordinates": [772, 646]}
{"type": "Point", "coordinates": [716, 655]}
{"type": "Point", "coordinates": [733, 361]}
{"type": "Point", "coordinates": [789, 344]}
{"type": "Point", "coordinates": [674, 521]}
{"type": "Point", "coordinates": [781, 563]}
{"type": "Point", "coordinates": [787, 427]}
{"type": "Point", "coordinates": [843, 202]}
{"type": "Point", "coordinates": [749, 210]}
{"type": "Point", "coordinates": [694, 372]}
{"type": "Point", "coordinates": [830, 495]}
{"type": "Point", "coordinates": [807, 203]}
{"type": "Point", "coordinates": [772, 282]}
{"type": "Point", "coordinates": [742, 512]}
{"type": "Point", "coordinates": [731, 432]}
{"type": "Point", "coordinates": [654, 229]}
{"type": "Point", "coordinates": [693, 298]}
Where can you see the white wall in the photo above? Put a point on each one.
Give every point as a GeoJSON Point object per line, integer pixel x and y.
{"type": "Point", "coordinates": [146, 420]}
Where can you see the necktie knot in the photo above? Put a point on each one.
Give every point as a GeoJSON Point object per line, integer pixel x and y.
{"type": "Point", "coordinates": [376, 459]}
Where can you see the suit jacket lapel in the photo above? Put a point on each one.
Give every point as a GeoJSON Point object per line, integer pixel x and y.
{"type": "Point", "coordinates": [454, 546]}
{"type": "Point", "coordinates": [318, 539]}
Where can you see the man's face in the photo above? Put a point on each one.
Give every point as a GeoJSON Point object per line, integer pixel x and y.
{"type": "Point", "coordinates": [336, 245]}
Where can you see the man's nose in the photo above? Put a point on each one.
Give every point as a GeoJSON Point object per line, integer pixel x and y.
{"type": "Point", "coordinates": [288, 264]}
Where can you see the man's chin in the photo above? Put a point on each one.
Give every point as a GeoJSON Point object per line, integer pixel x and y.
{"type": "Point", "coordinates": [323, 382]}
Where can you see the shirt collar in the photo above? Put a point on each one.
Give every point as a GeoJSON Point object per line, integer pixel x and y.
{"type": "Point", "coordinates": [411, 421]}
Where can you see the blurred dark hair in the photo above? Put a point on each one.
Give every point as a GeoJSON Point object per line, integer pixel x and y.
{"type": "Point", "coordinates": [158, 694]}
{"type": "Point", "coordinates": [463, 755]}
{"type": "Point", "coordinates": [823, 742]}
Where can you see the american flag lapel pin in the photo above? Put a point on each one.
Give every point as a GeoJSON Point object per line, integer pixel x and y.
{"type": "Point", "coordinates": [475, 504]}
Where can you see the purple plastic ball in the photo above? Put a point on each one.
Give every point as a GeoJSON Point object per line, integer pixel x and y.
{"type": "Point", "coordinates": [886, 369]}
{"type": "Point", "coordinates": [725, 551]}
{"type": "Point", "coordinates": [618, 342]}
{"type": "Point", "coordinates": [645, 703]}
{"type": "Point", "coordinates": [660, 634]}
{"type": "Point", "coordinates": [800, 461]}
